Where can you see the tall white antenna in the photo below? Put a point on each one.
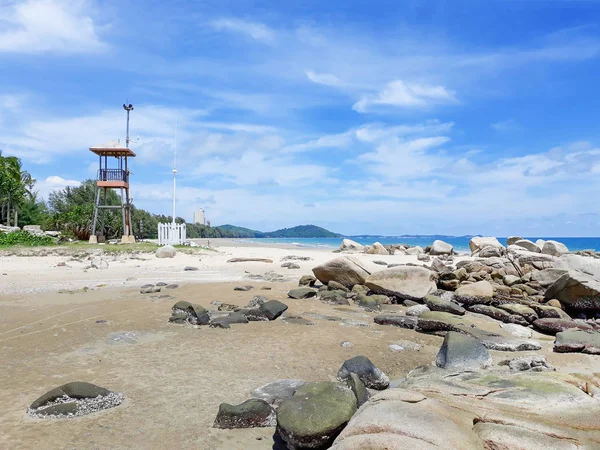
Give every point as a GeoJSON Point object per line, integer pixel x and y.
{"type": "Point", "coordinates": [175, 171]}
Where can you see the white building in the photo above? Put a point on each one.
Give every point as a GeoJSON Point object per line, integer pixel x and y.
{"type": "Point", "coordinates": [199, 217]}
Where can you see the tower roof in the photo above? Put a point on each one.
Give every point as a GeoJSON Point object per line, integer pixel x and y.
{"type": "Point", "coordinates": [112, 148]}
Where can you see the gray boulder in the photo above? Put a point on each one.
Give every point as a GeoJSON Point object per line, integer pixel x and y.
{"type": "Point", "coordinates": [277, 391]}
{"type": "Point", "coordinates": [348, 245]}
{"type": "Point", "coordinates": [490, 251]}
{"type": "Point", "coordinates": [577, 341]}
{"type": "Point", "coordinates": [585, 264]}
{"type": "Point", "coordinates": [461, 352]}
{"type": "Point", "coordinates": [194, 314]}
{"type": "Point", "coordinates": [576, 290]}
{"type": "Point", "coordinates": [547, 276]}
{"type": "Point", "coordinates": [528, 245]}
{"type": "Point", "coordinates": [512, 239]}
{"type": "Point", "coordinates": [272, 309]}
{"type": "Point", "coordinates": [554, 248]}
{"type": "Point", "coordinates": [300, 293]}
{"type": "Point", "coordinates": [315, 415]}
{"type": "Point", "coordinates": [440, 304]}
{"type": "Point", "coordinates": [554, 326]}
{"type": "Point", "coordinates": [440, 248]}
{"type": "Point", "coordinates": [166, 251]}
{"type": "Point", "coordinates": [307, 280]}
{"type": "Point", "coordinates": [405, 282]}
{"type": "Point", "coordinates": [477, 243]}
{"type": "Point", "coordinates": [368, 373]}
{"type": "Point", "coordinates": [377, 249]}
{"type": "Point", "coordinates": [474, 293]}
{"type": "Point", "coordinates": [252, 413]}
{"type": "Point", "coordinates": [344, 270]}
{"type": "Point", "coordinates": [396, 320]}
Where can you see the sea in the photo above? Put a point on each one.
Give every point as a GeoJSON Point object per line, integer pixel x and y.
{"type": "Point", "coordinates": [460, 244]}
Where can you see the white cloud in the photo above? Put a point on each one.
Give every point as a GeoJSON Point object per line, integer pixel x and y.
{"type": "Point", "coordinates": [373, 132]}
{"type": "Point", "coordinates": [255, 30]}
{"type": "Point", "coordinates": [405, 95]}
{"type": "Point", "coordinates": [505, 126]}
{"type": "Point", "coordinates": [53, 183]}
{"type": "Point", "coordinates": [253, 168]}
{"type": "Point", "coordinates": [36, 26]}
{"type": "Point", "coordinates": [328, 79]}
{"type": "Point", "coordinates": [397, 158]}
{"type": "Point", "coordinates": [340, 140]}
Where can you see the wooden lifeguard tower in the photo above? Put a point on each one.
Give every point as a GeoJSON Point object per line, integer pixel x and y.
{"type": "Point", "coordinates": [114, 177]}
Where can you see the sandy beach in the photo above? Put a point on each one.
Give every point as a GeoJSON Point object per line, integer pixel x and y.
{"type": "Point", "coordinates": [61, 323]}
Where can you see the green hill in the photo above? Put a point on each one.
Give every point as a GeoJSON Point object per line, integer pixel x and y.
{"type": "Point", "coordinates": [241, 231]}
{"type": "Point", "coordinates": [303, 231]}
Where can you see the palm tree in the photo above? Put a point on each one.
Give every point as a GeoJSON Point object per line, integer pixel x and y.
{"type": "Point", "coordinates": [16, 185]}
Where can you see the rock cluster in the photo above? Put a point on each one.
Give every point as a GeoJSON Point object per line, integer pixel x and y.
{"type": "Point", "coordinates": [74, 399]}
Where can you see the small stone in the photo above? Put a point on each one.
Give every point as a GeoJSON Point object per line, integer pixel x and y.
{"type": "Point", "coordinates": [251, 413]}
{"type": "Point", "coordinates": [277, 391]}
{"type": "Point", "coordinates": [307, 280]}
{"type": "Point", "coordinates": [301, 293]}
{"type": "Point", "coordinates": [416, 310]}
{"type": "Point", "coordinates": [243, 288]}
{"type": "Point", "coordinates": [171, 286]}
{"type": "Point", "coordinates": [297, 320]}
{"type": "Point", "coordinates": [368, 373]}
{"type": "Point", "coordinates": [396, 320]}
{"type": "Point", "coordinates": [190, 269]}
{"type": "Point", "coordinates": [346, 344]}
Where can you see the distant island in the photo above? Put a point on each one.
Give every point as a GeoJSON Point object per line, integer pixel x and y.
{"type": "Point", "coordinates": [300, 231]}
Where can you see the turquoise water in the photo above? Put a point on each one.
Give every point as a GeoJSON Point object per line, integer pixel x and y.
{"type": "Point", "coordinates": [460, 244]}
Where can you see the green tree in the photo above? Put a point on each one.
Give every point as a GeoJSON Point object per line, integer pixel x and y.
{"type": "Point", "coordinates": [16, 187]}
{"type": "Point", "coordinates": [71, 211]}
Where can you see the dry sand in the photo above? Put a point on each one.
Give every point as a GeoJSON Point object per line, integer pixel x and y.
{"type": "Point", "coordinates": [173, 376]}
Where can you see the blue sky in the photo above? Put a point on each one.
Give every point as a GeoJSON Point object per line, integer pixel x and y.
{"type": "Point", "coordinates": [450, 117]}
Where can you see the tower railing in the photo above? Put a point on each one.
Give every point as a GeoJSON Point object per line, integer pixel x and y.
{"type": "Point", "coordinates": [113, 175]}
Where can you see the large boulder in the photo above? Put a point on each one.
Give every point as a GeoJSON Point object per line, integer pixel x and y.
{"type": "Point", "coordinates": [512, 239]}
{"type": "Point", "coordinates": [440, 248]}
{"type": "Point", "coordinates": [577, 341]}
{"type": "Point", "coordinates": [399, 419]}
{"type": "Point", "coordinates": [315, 415]}
{"type": "Point", "coordinates": [461, 352]}
{"type": "Point", "coordinates": [166, 251]}
{"type": "Point", "coordinates": [405, 282]}
{"type": "Point", "coordinates": [528, 245]}
{"type": "Point", "coordinates": [584, 264]}
{"type": "Point", "coordinates": [368, 373]}
{"type": "Point", "coordinates": [554, 326]}
{"type": "Point", "coordinates": [554, 248]}
{"type": "Point", "coordinates": [576, 290]}
{"type": "Point", "coordinates": [547, 276]}
{"type": "Point", "coordinates": [251, 413]}
{"type": "Point", "coordinates": [490, 251]}
{"type": "Point", "coordinates": [348, 245]}
{"type": "Point", "coordinates": [477, 243]}
{"type": "Point", "coordinates": [474, 293]}
{"type": "Point", "coordinates": [441, 304]}
{"type": "Point", "coordinates": [345, 270]}
{"type": "Point", "coordinates": [478, 410]}
{"type": "Point", "coordinates": [377, 249]}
